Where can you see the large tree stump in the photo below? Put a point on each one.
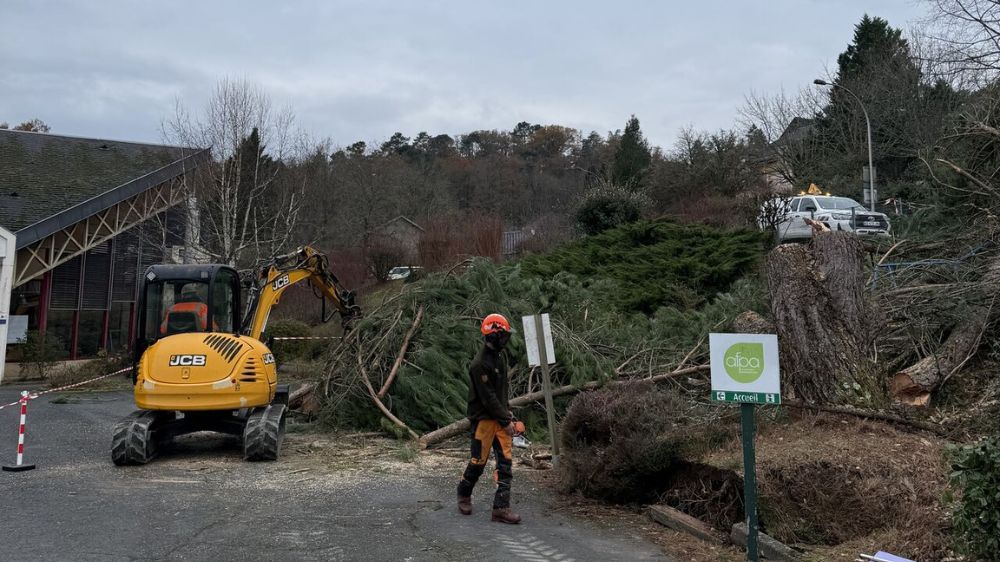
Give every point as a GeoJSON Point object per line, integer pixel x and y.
{"type": "Point", "coordinates": [914, 384]}
{"type": "Point", "coordinates": [750, 322]}
{"type": "Point", "coordinates": [823, 319]}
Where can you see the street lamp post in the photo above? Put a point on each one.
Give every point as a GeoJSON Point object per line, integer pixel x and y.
{"type": "Point", "coordinates": [868, 124]}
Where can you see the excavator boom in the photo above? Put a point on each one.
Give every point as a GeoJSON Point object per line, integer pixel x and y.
{"type": "Point", "coordinates": [273, 279]}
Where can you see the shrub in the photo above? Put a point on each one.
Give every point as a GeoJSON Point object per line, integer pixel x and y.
{"type": "Point", "coordinates": [608, 205]}
{"type": "Point", "coordinates": [976, 519]}
{"type": "Point", "coordinates": [657, 263]}
{"type": "Point", "coordinates": [100, 365]}
{"type": "Point", "coordinates": [382, 254]}
{"type": "Point", "coordinates": [39, 353]}
{"type": "Point", "coordinates": [620, 444]}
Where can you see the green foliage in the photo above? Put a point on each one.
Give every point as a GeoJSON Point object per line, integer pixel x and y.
{"type": "Point", "coordinates": [39, 353]}
{"type": "Point", "coordinates": [659, 263]}
{"type": "Point", "coordinates": [100, 365]}
{"type": "Point", "coordinates": [632, 158]}
{"type": "Point", "coordinates": [285, 350]}
{"type": "Point", "coordinates": [875, 41]}
{"type": "Point", "coordinates": [976, 518]}
{"type": "Point", "coordinates": [650, 290]}
{"type": "Point", "coordinates": [593, 338]}
{"type": "Point", "coordinates": [607, 206]}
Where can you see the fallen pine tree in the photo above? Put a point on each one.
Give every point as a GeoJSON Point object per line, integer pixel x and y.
{"type": "Point", "coordinates": [413, 348]}
{"type": "Point", "coordinates": [462, 425]}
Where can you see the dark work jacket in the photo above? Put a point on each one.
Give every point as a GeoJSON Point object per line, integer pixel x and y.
{"type": "Point", "coordinates": [488, 387]}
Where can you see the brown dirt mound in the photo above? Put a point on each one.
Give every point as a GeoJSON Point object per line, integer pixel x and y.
{"type": "Point", "coordinates": [708, 493]}
{"type": "Point", "coordinates": [826, 480]}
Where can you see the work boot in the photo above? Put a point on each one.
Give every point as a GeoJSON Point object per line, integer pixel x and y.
{"type": "Point", "coordinates": [505, 515]}
{"type": "Point", "coordinates": [465, 505]}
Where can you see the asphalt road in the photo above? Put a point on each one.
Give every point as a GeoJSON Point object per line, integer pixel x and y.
{"type": "Point", "coordinates": [199, 501]}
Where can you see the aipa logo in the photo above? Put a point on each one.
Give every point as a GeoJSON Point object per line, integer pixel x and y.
{"type": "Point", "coordinates": [745, 362]}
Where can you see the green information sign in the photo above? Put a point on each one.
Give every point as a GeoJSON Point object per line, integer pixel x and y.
{"type": "Point", "coordinates": [745, 371]}
{"type": "Point", "coordinates": [746, 397]}
{"type": "Point", "coordinates": [745, 368]}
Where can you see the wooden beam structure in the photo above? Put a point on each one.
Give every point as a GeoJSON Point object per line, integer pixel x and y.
{"type": "Point", "coordinates": [60, 238]}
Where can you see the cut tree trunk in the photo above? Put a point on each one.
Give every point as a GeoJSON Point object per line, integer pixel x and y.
{"type": "Point", "coordinates": [914, 384]}
{"type": "Point", "coordinates": [750, 322]}
{"type": "Point", "coordinates": [456, 428]}
{"type": "Point", "coordinates": [823, 319]}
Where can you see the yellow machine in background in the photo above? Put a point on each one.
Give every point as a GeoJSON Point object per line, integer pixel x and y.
{"type": "Point", "coordinates": [201, 365]}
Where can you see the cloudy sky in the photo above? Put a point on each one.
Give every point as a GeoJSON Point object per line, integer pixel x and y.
{"type": "Point", "coordinates": [360, 70]}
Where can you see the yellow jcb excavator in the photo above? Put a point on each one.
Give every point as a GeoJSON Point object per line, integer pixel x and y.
{"type": "Point", "coordinates": [200, 368]}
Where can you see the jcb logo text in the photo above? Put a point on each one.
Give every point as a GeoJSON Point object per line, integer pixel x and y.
{"type": "Point", "coordinates": [187, 361]}
{"type": "Point", "coordinates": [280, 282]}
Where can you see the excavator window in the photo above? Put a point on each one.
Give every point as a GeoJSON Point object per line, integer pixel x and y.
{"type": "Point", "coordinates": [223, 311]}
{"type": "Point", "coordinates": [178, 306]}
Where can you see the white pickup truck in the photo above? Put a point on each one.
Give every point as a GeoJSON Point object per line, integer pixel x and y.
{"type": "Point", "coordinates": [788, 216]}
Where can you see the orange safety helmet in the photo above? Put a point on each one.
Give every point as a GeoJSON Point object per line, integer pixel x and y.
{"type": "Point", "coordinates": [494, 323]}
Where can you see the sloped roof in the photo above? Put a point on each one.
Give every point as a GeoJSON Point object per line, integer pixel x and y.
{"type": "Point", "coordinates": [797, 130]}
{"type": "Point", "coordinates": [48, 182]}
{"type": "Point", "coordinates": [404, 220]}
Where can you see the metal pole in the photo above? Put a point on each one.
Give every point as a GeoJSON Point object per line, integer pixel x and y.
{"type": "Point", "coordinates": [550, 410]}
{"type": "Point", "coordinates": [871, 164]}
{"type": "Point", "coordinates": [749, 481]}
{"type": "Point", "coordinates": [868, 125]}
{"type": "Point", "coordinates": [20, 466]}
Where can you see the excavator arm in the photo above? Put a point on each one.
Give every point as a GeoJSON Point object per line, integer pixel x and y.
{"type": "Point", "coordinates": [284, 271]}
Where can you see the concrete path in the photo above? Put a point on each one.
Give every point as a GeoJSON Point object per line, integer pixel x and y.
{"type": "Point", "coordinates": [200, 501]}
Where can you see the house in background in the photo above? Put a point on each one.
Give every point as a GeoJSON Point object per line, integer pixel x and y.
{"type": "Point", "coordinates": [403, 234]}
{"type": "Point", "coordinates": [777, 165]}
{"type": "Point", "coordinates": [88, 215]}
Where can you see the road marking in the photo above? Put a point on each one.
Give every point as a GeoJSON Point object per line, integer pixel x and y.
{"type": "Point", "coordinates": [174, 481]}
{"type": "Point", "coordinates": [533, 549]}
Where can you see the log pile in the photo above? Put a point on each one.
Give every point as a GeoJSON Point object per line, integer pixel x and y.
{"type": "Point", "coordinates": [914, 384]}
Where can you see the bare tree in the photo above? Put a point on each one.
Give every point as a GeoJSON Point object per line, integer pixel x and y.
{"type": "Point", "coordinates": [786, 120]}
{"type": "Point", "coordinates": [965, 39]}
{"type": "Point", "coordinates": [246, 212]}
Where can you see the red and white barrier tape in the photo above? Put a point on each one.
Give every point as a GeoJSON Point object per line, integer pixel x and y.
{"type": "Point", "coordinates": [67, 387]}
{"type": "Point", "coordinates": [279, 338]}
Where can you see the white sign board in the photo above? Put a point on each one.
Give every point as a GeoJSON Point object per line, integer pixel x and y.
{"type": "Point", "coordinates": [531, 340]}
{"type": "Point", "coordinates": [17, 327]}
{"type": "Point", "coordinates": [745, 368]}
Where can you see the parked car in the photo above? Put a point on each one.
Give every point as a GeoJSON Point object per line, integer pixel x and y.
{"type": "Point", "coordinates": [402, 272]}
{"type": "Point", "coordinates": [788, 216]}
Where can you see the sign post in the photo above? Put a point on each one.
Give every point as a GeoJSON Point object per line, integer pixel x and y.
{"type": "Point", "coordinates": [541, 353]}
{"type": "Point", "coordinates": [745, 371]}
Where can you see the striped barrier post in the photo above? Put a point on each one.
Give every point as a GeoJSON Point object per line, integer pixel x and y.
{"type": "Point", "coordinates": [20, 466]}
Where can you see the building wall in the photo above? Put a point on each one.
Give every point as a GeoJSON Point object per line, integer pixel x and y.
{"type": "Point", "coordinates": [88, 304]}
{"type": "Point", "coordinates": [7, 253]}
{"type": "Point", "coordinates": [404, 236]}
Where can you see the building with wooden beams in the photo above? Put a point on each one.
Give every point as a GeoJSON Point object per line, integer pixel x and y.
{"type": "Point", "coordinates": [88, 216]}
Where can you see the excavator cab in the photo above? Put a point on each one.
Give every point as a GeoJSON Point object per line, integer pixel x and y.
{"type": "Point", "coordinates": [178, 299]}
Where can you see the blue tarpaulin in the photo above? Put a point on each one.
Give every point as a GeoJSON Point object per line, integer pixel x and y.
{"type": "Point", "coordinates": [890, 557]}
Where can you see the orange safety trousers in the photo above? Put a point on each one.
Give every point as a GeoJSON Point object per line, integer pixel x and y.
{"type": "Point", "coordinates": [487, 435]}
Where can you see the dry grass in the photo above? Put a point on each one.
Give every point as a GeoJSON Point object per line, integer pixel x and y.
{"type": "Point", "coordinates": [826, 481]}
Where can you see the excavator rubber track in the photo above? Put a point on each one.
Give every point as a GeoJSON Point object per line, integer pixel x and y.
{"type": "Point", "coordinates": [134, 438]}
{"type": "Point", "coordinates": [264, 433]}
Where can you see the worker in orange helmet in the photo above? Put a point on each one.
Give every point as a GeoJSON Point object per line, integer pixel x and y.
{"type": "Point", "coordinates": [492, 423]}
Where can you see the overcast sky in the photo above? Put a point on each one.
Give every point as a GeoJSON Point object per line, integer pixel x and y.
{"type": "Point", "coordinates": [361, 70]}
